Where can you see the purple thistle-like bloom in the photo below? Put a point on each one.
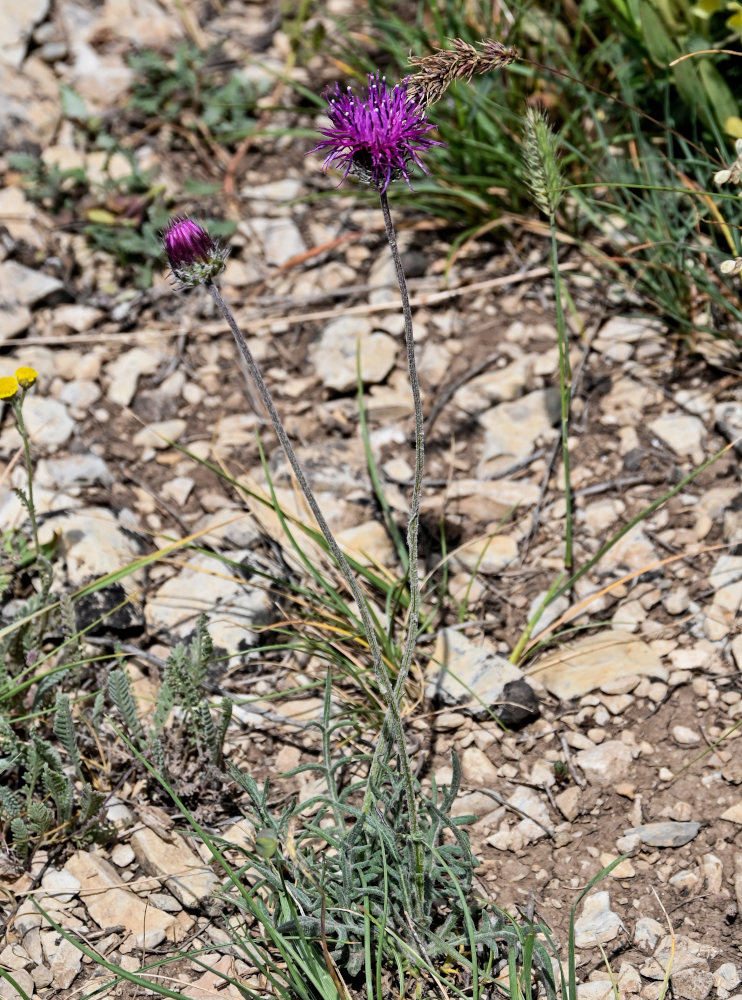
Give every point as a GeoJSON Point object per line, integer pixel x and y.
{"type": "Point", "coordinates": [193, 255]}
{"type": "Point", "coordinates": [376, 136]}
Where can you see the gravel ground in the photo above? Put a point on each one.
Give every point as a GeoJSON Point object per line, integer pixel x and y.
{"type": "Point", "coordinates": [619, 746]}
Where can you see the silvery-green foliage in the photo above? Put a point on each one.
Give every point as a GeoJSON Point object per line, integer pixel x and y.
{"type": "Point", "coordinates": [158, 755]}
{"type": "Point", "coordinates": [64, 730]}
{"type": "Point", "coordinates": [185, 674]}
{"type": "Point", "coordinates": [119, 689]}
{"type": "Point", "coordinates": [90, 803]}
{"type": "Point", "coordinates": [182, 688]}
{"type": "Point", "coordinates": [18, 643]}
{"type": "Point", "coordinates": [187, 667]}
{"type": "Point", "coordinates": [40, 817]}
{"type": "Point", "coordinates": [59, 786]}
{"type": "Point", "coordinates": [20, 834]}
{"type": "Point", "coordinates": [163, 708]}
{"type": "Point", "coordinates": [354, 874]}
{"type": "Point", "coordinates": [10, 805]}
{"type": "Point", "coordinates": [68, 619]}
{"type": "Point", "coordinates": [349, 878]}
{"type": "Point", "coordinates": [225, 715]}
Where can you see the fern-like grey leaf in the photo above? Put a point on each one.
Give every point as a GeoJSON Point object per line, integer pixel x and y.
{"type": "Point", "coordinates": [64, 730]}
{"type": "Point", "coordinates": [48, 753]}
{"type": "Point", "coordinates": [19, 830]}
{"type": "Point", "coordinates": [32, 772]}
{"type": "Point", "coordinates": [179, 678]}
{"type": "Point", "coordinates": [205, 730]}
{"type": "Point", "coordinates": [46, 576]}
{"type": "Point", "coordinates": [225, 716]}
{"type": "Point", "coordinates": [40, 817]}
{"type": "Point", "coordinates": [23, 497]}
{"type": "Point", "coordinates": [98, 705]}
{"type": "Point", "coordinates": [59, 787]}
{"type": "Point", "coordinates": [73, 650]}
{"type": "Point", "coordinates": [10, 804]}
{"type": "Point", "coordinates": [163, 708]}
{"type": "Point", "coordinates": [119, 688]}
{"type": "Point", "coordinates": [202, 649]}
{"type": "Point", "coordinates": [90, 802]}
{"type": "Point", "coordinates": [158, 756]}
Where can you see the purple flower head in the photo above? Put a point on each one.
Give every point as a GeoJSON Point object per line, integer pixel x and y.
{"type": "Point", "coordinates": [193, 255]}
{"type": "Point", "coordinates": [376, 136]}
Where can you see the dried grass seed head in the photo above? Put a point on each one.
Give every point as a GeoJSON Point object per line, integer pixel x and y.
{"type": "Point", "coordinates": [437, 71]}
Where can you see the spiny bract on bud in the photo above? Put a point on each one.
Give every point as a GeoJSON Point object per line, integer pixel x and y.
{"type": "Point", "coordinates": [375, 136]}
{"type": "Point", "coordinates": [194, 257]}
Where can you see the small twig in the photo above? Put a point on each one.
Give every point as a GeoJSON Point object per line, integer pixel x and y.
{"type": "Point", "coordinates": [129, 476]}
{"type": "Point", "coordinates": [519, 812]}
{"type": "Point", "coordinates": [445, 394]}
{"type": "Point", "coordinates": [255, 323]}
{"type": "Point", "coordinates": [568, 759]}
{"type": "Point", "coordinates": [690, 899]}
{"type": "Point", "coordinates": [619, 483]}
{"type": "Point", "coordinates": [126, 647]}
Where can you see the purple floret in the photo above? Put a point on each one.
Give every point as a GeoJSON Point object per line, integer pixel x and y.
{"type": "Point", "coordinates": [185, 242]}
{"type": "Point", "coordinates": [375, 137]}
{"type": "Point", "coordinates": [193, 255]}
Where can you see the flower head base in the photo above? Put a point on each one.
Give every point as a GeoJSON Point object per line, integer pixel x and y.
{"type": "Point", "coordinates": [734, 172]}
{"type": "Point", "coordinates": [376, 136]}
{"type": "Point", "coordinates": [8, 386]}
{"type": "Point", "coordinates": [194, 256]}
{"type": "Point", "coordinates": [731, 267]}
{"type": "Point", "coordinates": [26, 377]}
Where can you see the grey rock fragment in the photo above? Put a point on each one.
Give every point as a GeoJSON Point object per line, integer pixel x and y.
{"type": "Point", "coordinates": [605, 764]}
{"type": "Point", "coordinates": [25, 286]}
{"type": "Point", "coordinates": [665, 834]}
{"type": "Point", "coordinates": [474, 677]}
{"type": "Point", "coordinates": [598, 923]}
{"type": "Point", "coordinates": [694, 983]}
{"type": "Point", "coordinates": [17, 21]}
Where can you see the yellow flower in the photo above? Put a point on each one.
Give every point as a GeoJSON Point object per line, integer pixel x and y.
{"type": "Point", "coordinates": [26, 377]}
{"type": "Point", "coordinates": [8, 386]}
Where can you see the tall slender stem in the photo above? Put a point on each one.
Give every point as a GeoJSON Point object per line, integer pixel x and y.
{"type": "Point", "coordinates": [18, 409]}
{"type": "Point", "coordinates": [565, 392]}
{"type": "Point", "coordinates": [413, 616]}
{"type": "Point", "coordinates": [393, 718]}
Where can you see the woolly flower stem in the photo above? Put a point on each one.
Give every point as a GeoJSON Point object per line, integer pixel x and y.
{"type": "Point", "coordinates": [393, 719]}
{"type": "Point", "coordinates": [413, 616]}
{"type": "Point", "coordinates": [17, 404]}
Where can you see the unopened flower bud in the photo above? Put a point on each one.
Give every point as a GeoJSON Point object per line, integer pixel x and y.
{"type": "Point", "coordinates": [266, 843]}
{"type": "Point", "coordinates": [194, 256]}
